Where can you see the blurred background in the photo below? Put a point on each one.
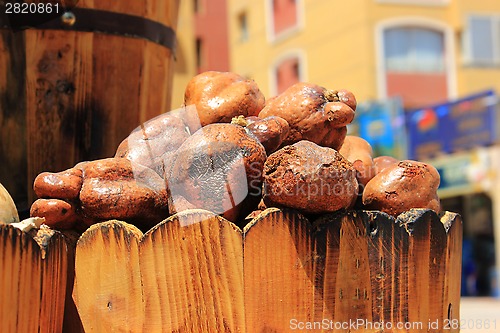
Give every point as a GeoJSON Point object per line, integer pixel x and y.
{"type": "Point", "coordinates": [425, 73]}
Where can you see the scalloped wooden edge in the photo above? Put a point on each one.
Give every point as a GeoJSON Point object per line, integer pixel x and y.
{"type": "Point", "coordinates": [33, 281]}
{"type": "Point", "coordinates": [404, 219]}
{"type": "Point", "coordinates": [430, 243]}
{"type": "Point", "coordinates": [47, 240]}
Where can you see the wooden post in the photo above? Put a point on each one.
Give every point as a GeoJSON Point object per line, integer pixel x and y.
{"type": "Point", "coordinates": [184, 275]}
{"type": "Point", "coordinates": [196, 272]}
{"type": "Point", "coordinates": [33, 275]}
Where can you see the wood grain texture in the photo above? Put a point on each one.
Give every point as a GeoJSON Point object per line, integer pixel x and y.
{"type": "Point", "coordinates": [279, 264]}
{"type": "Point", "coordinates": [13, 168]}
{"type": "Point", "coordinates": [78, 94]}
{"type": "Point", "coordinates": [192, 275]}
{"type": "Point", "coordinates": [184, 275]}
{"type": "Point", "coordinates": [107, 288]}
{"type": "Point", "coordinates": [360, 271]}
{"type": "Point", "coordinates": [72, 322]}
{"type": "Point", "coordinates": [33, 280]}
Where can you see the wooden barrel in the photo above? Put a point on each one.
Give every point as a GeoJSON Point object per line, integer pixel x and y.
{"type": "Point", "coordinates": [73, 87]}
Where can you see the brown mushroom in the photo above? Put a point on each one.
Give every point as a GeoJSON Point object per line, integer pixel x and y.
{"type": "Point", "coordinates": [402, 186]}
{"type": "Point", "coordinates": [313, 113]}
{"type": "Point", "coordinates": [220, 96]}
{"type": "Point", "coordinates": [95, 191]}
{"type": "Point", "coordinates": [309, 178]}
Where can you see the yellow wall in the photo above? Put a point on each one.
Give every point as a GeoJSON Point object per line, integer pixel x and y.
{"type": "Point", "coordinates": [337, 39]}
{"type": "Point", "coordinates": [472, 79]}
{"type": "Point", "coordinates": [185, 64]}
{"type": "Point", "coordinates": [249, 58]}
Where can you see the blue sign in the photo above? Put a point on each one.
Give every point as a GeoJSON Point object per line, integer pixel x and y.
{"type": "Point", "coordinates": [446, 128]}
{"type": "Point", "coordinates": [382, 125]}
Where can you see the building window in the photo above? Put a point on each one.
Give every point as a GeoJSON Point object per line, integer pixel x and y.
{"type": "Point", "coordinates": [287, 72]}
{"type": "Point", "coordinates": [284, 15]}
{"type": "Point", "coordinates": [483, 40]}
{"type": "Point", "coordinates": [199, 54]}
{"type": "Point", "coordinates": [243, 26]}
{"type": "Point", "coordinates": [197, 6]}
{"type": "Point", "coordinates": [414, 50]}
{"type": "Point", "coordinates": [414, 64]}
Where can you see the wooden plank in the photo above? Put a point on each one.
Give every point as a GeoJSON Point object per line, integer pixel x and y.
{"type": "Point", "coordinates": [385, 242]}
{"type": "Point", "coordinates": [20, 281]}
{"type": "Point", "coordinates": [163, 11]}
{"type": "Point", "coordinates": [33, 280]}
{"type": "Point", "coordinates": [353, 300]}
{"type": "Point", "coordinates": [155, 85]}
{"type": "Point", "coordinates": [54, 121]}
{"type": "Point", "coordinates": [192, 270]}
{"type": "Point", "coordinates": [13, 146]}
{"type": "Point", "coordinates": [361, 282]}
{"type": "Point", "coordinates": [74, 96]}
{"type": "Point", "coordinates": [107, 289]}
{"type": "Point", "coordinates": [72, 322]}
{"type": "Point", "coordinates": [426, 259]}
{"type": "Point", "coordinates": [185, 275]}
{"type": "Point", "coordinates": [362, 271]}
{"type": "Point", "coordinates": [54, 280]}
{"type": "Point", "coordinates": [327, 240]}
{"type": "Point", "coordinates": [371, 272]}
{"type": "Point", "coordinates": [451, 306]}
{"type": "Point", "coordinates": [279, 271]}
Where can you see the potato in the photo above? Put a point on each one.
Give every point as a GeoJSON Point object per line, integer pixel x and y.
{"type": "Point", "coordinates": [218, 168]}
{"type": "Point", "coordinates": [359, 152]}
{"type": "Point", "coordinates": [58, 214]}
{"type": "Point", "coordinates": [270, 131]}
{"type": "Point", "coordinates": [220, 96]}
{"type": "Point", "coordinates": [313, 113]}
{"type": "Point", "coordinates": [309, 178]}
{"type": "Point", "coordinates": [153, 143]}
{"type": "Point", "coordinates": [382, 162]}
{"type": "Point", "coordinates": [402, 186]}
{"type": "Point", "coordinates": [62, 185]}
{"type": "Point", "coordinates": [116, 188]}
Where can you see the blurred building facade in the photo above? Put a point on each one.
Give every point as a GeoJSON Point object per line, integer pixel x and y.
{"type": "Point", "coordinates": [202, 42]}
{"type": "Point", "coordinates": [399, 57]}
{"type": "Point", "coordinates": [426, 51]}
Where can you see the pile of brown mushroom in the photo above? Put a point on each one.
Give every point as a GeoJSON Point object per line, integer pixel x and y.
{"type": "Point", "coordinates": [229, 151]}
